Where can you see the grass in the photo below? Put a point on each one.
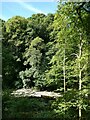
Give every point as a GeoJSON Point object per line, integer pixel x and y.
{"type": "Point", "coordinates": [34, 108]}
{"type": "Point", "coordinates": [26, 107]}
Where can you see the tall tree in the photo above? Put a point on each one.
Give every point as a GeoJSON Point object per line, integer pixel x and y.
{"type": "Point", "coordinates": [33, 61]}
{"type": "Point", "coordinates": [75, 50]}
{"type": "Point", "coordinates": [13, 47]}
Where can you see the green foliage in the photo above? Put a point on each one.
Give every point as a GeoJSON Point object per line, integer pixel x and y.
{"type": "Point", "coordinates": [67, 106]}
{"type": "Point", "coordinates": [16, 24]}
{"type": "Point", "coordinates": [14, 108]}
{"type": "Point", "coordinates": [52, 52]}
{"type": "Point", "coordinates": [33, 57]}
{"type": "Point", "coordinates": [13, 45]}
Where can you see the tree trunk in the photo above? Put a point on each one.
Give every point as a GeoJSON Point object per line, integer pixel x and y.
{"type": "Point", "coordinates": [80, 72]}
{"type": "Point", "coordinates": [64, 70]}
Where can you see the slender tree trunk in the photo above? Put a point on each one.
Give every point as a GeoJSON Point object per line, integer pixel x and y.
{"type": "Point", "coordinates": [64, 71]}
{"type": "Point", "coordinates": [80, 72]}
{"type": "Point", "coordinates": [88, 66]}
{"type": "Point", "coordinates": [79, 89]}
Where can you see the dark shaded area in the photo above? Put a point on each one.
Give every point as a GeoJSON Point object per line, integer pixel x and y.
{"type": "Point", "coordinates": [26, 108]}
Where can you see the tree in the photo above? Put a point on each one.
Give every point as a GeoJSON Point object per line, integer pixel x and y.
{"type": "Point", "coordinates": [13, 47]}
{"type": "Point", "coordinates": [33, 60]}
{"type": "Point", "coordinates": [75, 64]}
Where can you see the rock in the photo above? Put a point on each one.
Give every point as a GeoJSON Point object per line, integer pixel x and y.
{"type": "Point", "coordinates": [32, 93]}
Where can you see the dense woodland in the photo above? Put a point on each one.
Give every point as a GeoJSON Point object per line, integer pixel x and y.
{"type": "Point", "coordinates": [49, 53]}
